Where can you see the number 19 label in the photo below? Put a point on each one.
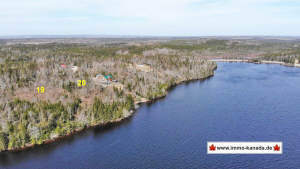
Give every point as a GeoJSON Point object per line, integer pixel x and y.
{"type": "Point", "coordinates": [40, 89]}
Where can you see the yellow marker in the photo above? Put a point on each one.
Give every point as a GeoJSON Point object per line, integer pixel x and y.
{"type": "Point", "coordinates": [81, 83]}
{"type": "Point", "coordinates": [41, 89]}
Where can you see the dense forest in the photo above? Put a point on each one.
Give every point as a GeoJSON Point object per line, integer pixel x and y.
{"type": "Point", "coordinates": [54, 87]}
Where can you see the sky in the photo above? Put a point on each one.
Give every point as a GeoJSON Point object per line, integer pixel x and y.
{"type": "Point", "coordinates": [150, 17]}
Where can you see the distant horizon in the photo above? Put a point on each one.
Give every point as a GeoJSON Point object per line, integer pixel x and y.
{"type": "Point", "coordinates": [151, 18]}
{"type": "Point", "coordinates": [139, 36]}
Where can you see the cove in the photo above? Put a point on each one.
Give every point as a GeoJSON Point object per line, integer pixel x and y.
{"type": "Point", "coordinates": [241, 102]}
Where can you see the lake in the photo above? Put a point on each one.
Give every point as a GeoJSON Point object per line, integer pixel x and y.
{"type": "Point", "coordinates": [242, 102]}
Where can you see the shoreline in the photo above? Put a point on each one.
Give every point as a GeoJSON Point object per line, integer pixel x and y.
{"type": "Point", "coordinates": [144, 100]}
{"type": "Point", "coordinates": [52, 140]}
{"type": "Point", "coordinates": [258, 62]}
{"type": "Point", "coordinates": [116, 121]}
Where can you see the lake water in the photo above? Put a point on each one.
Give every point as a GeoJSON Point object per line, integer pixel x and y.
{"type": "Point", "coordinates": [242, 102]}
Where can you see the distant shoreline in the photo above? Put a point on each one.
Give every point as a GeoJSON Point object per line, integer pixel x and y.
{"type": "Point", "coordinates": [258, 62]}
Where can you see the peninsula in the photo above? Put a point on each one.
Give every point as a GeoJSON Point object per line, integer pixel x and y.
{"type": "Point", "coordinates": [51, 88]}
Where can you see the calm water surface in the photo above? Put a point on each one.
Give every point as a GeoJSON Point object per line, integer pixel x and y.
{"type": "Point", "coordinates": [242, 102]}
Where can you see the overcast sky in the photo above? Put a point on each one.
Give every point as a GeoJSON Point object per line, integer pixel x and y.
{"type": "Point", "coordinates": [150, 17]}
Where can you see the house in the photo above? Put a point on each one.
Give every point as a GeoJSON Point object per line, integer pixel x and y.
{"type": "Point", "coordinates": [74, 69]}
{"type": "Point", "coordinates": [107, 80]}
{"type": "Point", "coordinates": [63, 66]}
{"type": "Point", "coordinates": [103, 78]}
{"type": "Point", "coordinates": [108, 77]}
{"type": "Point", "coordinates": [100, 78]}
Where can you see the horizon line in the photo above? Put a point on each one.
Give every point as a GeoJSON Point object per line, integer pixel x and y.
{"type": "Point", "coordinates": [36, 36]}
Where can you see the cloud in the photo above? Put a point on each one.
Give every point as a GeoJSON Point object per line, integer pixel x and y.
{"type": "Point", "coordinates": [155, 17]}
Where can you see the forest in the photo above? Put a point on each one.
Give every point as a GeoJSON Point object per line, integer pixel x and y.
{"type": "Point", "coordinates": [54, 87]}
{"type": "Point", "coordinates": [43, 96]}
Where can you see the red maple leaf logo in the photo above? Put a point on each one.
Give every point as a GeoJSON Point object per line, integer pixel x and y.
{"type": "Point", "coordinates": [276, 148]}
{"type": "Point", "coordinates": [212, 148]}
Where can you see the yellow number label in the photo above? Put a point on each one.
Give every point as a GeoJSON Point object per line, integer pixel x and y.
{"type": "Point", "coordinates": [81, 83]}
{"type": "Point", "coordinates": [40, 89]}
